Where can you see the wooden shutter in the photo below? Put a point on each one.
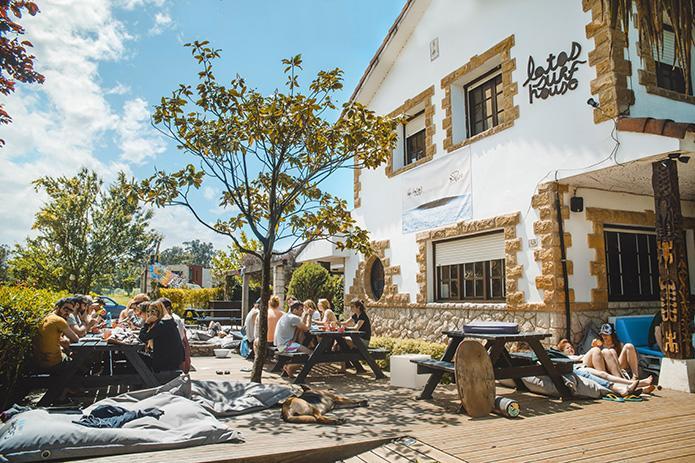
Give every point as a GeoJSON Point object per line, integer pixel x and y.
{"type": "Point", "coordinates": [472, 249]}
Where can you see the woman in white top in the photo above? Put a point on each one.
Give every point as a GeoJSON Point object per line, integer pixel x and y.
{"type": "Point", "coordinates": [328, 317]}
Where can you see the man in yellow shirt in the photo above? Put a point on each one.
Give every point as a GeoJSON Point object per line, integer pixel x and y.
{"type": "Point", "coordinates": [54, 332]}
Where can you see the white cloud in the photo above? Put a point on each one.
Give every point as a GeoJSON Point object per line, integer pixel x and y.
{"type": "Point", "coordinates": [132, 4]}
{"type": "Point", "coordinates": [138, 140]}
{"type": "Point", "coordinates": [162, 21]}
{"type": "Point", "coordinates": [209, 193]}
{"type": "Point", "coordinates": [177, 224]}
{"type": "Point", "coordinates": [118, 89]}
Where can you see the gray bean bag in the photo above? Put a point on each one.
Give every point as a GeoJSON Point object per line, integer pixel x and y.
{"type": "Point", "coordinates": [38, 436]}
{"type": "Point", "coordinates": [579, 386]}
{"type": "Point", "coordinates": [221, 398]}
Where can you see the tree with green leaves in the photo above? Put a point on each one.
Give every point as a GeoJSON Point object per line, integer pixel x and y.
{"type": "Point", "coordinates": [227, 261]}
{"type": "Point", "coordinates": [194, 252]}
{"type": "Point", "coordinates": [268, 155]}
{"type": "Point", "coordinates": [85, 234]}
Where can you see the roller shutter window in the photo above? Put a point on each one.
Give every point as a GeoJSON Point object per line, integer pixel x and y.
{"type": "Point", "coordinates": [470, 268]}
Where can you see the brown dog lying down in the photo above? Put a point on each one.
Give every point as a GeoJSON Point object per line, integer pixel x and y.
{"type": "Point", "coordinates": [313, 404]}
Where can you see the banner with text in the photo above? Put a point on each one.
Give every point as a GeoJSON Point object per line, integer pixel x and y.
{"type": "Point", "coordinates": [436, 194]}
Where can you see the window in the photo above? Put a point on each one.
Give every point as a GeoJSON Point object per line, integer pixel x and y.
{"type": "Point", "coordinates": [483, 96]}
{"type": "Point", "coordinates": [631, 265]}
{"type": "Point", "coordinates": [668, 75]}
{"type": "Point", "coordinates": [470, 268]}
{"type": "Point", "coordinates": [415, 147]}
{"type": "Point", "coordinates": [376, 279]}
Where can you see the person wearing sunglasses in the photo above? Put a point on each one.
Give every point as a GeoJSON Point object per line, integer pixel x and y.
{"type": "Point", "coordinates": [164, 350]}
{"type": "Point", "coordinates": [54, 334]}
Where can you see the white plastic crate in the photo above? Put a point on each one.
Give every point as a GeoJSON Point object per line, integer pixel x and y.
{"type": "Point", "coordinates": [404, 372]}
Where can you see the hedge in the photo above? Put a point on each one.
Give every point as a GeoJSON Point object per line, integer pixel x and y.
{"type": "Point", "coordinates": [21, 310]}
{"type": "Point", "coordinates": [181, 299]}
{"type": "Point", "coordinates": [400, 346]}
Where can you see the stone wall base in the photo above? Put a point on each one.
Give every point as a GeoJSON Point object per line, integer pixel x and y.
{"type": "Point", "coordinates": [427, 323]}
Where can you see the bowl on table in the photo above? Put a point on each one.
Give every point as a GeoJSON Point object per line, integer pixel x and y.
{"type": "Point", "coordinates": [222, 353]}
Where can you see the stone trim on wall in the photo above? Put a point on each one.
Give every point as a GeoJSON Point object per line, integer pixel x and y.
{"type": "Point", "coordinates": [599, 217]}
{"type": "Point", "coordinates": [608, 57]}
{"type": "Point", "coordinates": [513, 270]}
{"type": "Point", "coordinates": [647, 77]}
{"type": "Point", "coordinates": [360, 288]}
{"type": "Point", "coordinates": [356, 188]}
{"type": "Point", "coordinates": [430, 148]}
{"type": "Point", "coordinates": [509, 89]}
{"type": "Point", "coordinates": [548, 255]}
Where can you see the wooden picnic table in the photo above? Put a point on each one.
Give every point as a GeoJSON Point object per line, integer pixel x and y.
{"type": "Point", "coordinates": [323, 353]}
{"type": "Point", "coordinates": [78, 372]}
{"type": "Point", "coordinates": [505, 364]}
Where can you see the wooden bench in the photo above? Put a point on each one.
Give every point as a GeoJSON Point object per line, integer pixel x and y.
{"type": "Point", "coordinates": [295, 358]}
{"type": "Point", "coordinates": [432, 365]}
{"type": "Point", "coordinates": [565, 365]}
{"type": "Point", "coordinates": [218, 311]}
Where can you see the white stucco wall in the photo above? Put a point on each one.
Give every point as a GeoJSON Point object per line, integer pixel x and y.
{"type": "Point", "coordinates": [550, 136]}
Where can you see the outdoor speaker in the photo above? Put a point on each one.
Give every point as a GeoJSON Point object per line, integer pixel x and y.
{"type": "Point", "coordinates": [576, 204]}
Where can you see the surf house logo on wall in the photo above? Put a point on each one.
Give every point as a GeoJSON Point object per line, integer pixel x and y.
{"type": "Point", "coordinates": [430, 204]}
{"type": "Point", "coordinates": [557, 77]}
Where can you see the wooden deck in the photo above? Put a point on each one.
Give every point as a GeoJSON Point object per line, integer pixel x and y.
{"type": "Point", "coordinates": [661, 428]}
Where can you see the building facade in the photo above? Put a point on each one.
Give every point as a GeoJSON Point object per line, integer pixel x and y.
{"type": "Point", "coordinates": [500, 149]}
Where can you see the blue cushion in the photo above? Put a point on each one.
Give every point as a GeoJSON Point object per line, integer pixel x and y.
{"type": "Point", "coordinates": [653, 351]}
{"type": "Point", "coordinates": [634, 330]}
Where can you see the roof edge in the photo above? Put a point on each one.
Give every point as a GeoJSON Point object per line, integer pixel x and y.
{"type": "Point", "coordinates": [650, 125]}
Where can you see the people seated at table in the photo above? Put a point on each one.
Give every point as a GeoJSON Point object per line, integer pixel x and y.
{"type": "Point", "coordinates": [128, 312]}
{"type": "Point", "coordinates": [164, 349]}
{"type": "Point", "coordinates": [274, 315]}
{"type": "Point", "coordinates": [80, 321]}
{"type": "Point", "coordinates": [54, 336]}
{"type": "Point", "coordinates": [310, 305]}
{"type": "Point", "coordinates": [327, 318]}
{"type": "Point", "coordinates": [617, 383]}
{"type": "Point", "coordinates": [359, 321]}
{"type": "Point", "coordinates": [289, 329]}
{"type": "Point", "coordinates": [137, 316]}
{"type": "Point", "coordinates": [181, 327]}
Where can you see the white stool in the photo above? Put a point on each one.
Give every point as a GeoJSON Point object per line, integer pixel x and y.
{"type": "Point", "coordinates": [404, 372]}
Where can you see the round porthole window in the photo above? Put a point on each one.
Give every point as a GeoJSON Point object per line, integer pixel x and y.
{"type": "Point", "coordinates": [376, 279]}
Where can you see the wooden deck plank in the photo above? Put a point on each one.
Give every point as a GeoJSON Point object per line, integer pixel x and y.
{"type": "Point", "coordinates": [549, 430]}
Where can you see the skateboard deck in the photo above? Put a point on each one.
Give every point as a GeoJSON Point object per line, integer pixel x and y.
{"type": "Point", "coordinates": [475, 378]}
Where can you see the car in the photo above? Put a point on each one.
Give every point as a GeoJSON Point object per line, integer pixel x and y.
{"type": "Point", "coordinates": [112, 307]}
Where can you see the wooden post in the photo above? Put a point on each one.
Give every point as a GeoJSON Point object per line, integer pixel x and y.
{"type": "Point", "coordinates": [673, 269]}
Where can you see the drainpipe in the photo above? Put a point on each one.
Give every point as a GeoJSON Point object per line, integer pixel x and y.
{"type": "Point", "coordinates": [563, 262]}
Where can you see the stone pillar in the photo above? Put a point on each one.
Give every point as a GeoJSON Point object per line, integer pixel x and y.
{"type": "Point", "coordinates": [245, 277]}
{"type": "Point", "coordinates": [279, 283]}
{"type": "Point", "coordinates": [673, 269]}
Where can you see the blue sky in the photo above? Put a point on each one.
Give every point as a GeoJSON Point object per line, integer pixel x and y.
{"type": "Point", "coordinates": [108, 62]}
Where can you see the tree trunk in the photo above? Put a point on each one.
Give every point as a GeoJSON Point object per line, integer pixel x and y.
{"type": "Point", "coordinates": [262, 331]}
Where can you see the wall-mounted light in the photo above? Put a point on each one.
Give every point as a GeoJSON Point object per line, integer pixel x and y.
{"type": "Point", "coordinates": [679, 157]}
{"type": "Point", "coordinates": [576, 202]}
{"type": "Point", "coordinates": [593, 103]}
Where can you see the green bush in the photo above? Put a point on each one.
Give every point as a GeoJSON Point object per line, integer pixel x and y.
{"type": "Point", "coordinates": [309, 282]}
{"type": "Point", "coordinates": [334, 291]}
{"type": "Point", "coordinates": [21, 310]}
{"type": "Point", "coordinates": [196, 298]}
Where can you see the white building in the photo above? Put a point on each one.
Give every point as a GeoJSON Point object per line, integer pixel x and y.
{"type": "Point", "coordinates": [463, 217]}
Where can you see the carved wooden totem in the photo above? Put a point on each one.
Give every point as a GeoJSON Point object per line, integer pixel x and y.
{"type": "Point", "coordinates": [673, 269]}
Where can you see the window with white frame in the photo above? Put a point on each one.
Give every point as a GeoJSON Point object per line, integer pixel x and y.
{"type": "Point", "coordinates": [470, 268]}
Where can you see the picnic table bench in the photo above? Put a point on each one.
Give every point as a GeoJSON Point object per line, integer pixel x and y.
{"type": "Point", "coordinates": [323, 353]}
{"type": "Point", "coordinates": [218, 311]}
{"type": "Point", "coordinates": [79, 373]}
{"type": "Point", "coordinates": [514, 365]}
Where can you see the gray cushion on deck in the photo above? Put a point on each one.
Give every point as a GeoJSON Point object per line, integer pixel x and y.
{"type": "Point", "coordinates": [37, 435]}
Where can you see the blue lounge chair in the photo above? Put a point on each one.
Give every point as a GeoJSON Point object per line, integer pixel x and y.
{"type": "Point", "coordinates": [635, 330]}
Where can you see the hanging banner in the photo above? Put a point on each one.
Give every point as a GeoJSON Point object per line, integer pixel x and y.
{"type": "Point", "coordinates": [165, 277]}
{"type": "Point", "coordinates": [439, 193]}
